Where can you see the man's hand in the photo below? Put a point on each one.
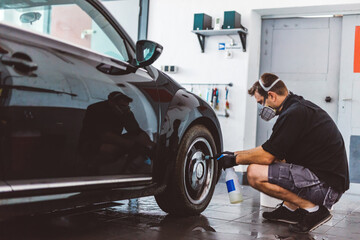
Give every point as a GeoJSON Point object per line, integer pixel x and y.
{"type": "Point", "coordinates": [226, 160]}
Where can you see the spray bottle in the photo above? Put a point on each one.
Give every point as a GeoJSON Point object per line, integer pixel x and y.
{"type": "Point", "coordinates": [232, 184]}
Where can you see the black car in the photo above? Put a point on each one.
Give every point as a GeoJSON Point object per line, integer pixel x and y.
{"type": "Point", "coordinates": [86, 119]}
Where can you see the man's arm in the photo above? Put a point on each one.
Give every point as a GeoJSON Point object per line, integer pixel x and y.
{"type": "Point", "coordinates": [254, 156]}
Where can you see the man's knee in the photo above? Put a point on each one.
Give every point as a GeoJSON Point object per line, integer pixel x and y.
{"type": "Point", "coordinates": [254, 174]}
{"type": "Point", "coordinates": [257, 174]}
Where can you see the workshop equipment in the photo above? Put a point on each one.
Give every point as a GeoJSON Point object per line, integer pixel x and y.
{"type": "Point", "coordinates": [207, 94]}
{"type": "Point", "coordinates": [227, 105]}
{"type": "Point", "coordinates": [216, 98]}
{"type": "Point", "coordinates": [202, 21]}
{"type": "Point", "coordinates": [212, 97]}
{"type": "Point", "coordinates": [232, 19]}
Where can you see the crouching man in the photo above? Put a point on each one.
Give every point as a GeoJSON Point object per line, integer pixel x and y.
{"type": "Point", "coordinates": [304, 161]}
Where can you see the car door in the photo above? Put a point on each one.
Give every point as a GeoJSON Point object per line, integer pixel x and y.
{"type": "Point", "coordinates": [73, 112]}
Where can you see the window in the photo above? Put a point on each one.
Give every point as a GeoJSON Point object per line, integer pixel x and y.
{"type": "Point", "coordinates": [76, 22]}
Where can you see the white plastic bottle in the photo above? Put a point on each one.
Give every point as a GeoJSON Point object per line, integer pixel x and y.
{"type": "Point", "coordinates": [233, 186]}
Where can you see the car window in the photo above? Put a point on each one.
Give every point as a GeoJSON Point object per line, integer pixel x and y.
{"type": "Point", "coordinates": [73, 21]}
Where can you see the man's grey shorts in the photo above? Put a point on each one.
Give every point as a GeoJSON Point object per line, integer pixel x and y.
{"type": "Point", "coordinates": [302, 182]}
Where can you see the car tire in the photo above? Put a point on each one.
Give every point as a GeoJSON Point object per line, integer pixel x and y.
{"type": "Point", "coordinates": [191, 186]}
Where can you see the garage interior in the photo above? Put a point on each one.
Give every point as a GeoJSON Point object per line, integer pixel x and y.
{"type": "Point", "coordinates": [313, 46]}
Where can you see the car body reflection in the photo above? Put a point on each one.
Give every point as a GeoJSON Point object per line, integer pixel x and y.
{"type": "Point", "coordinates": [112, 140]}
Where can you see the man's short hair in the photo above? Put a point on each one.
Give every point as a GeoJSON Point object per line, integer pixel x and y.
{"type": "Point", "coordinates": [268, 79]}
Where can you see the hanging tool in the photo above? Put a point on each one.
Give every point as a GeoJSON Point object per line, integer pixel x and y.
{"type": "Point", "coordinates": [199, 92]}
{"type": "Point", "coordinates": [212, 97]}
{"type": "Point", "coordinates": [227, 105]}
{"type": "Point", "coordinates": [224, 115]}
{"type": "Point", "coordinates": [216, 99]}
{"type": "Point", "coordinates": [207, 94]}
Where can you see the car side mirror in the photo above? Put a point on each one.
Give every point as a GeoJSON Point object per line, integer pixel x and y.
{"type": "Point", "coordinates": [147, 52]}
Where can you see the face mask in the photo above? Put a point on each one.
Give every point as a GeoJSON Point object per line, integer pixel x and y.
{"type": "Point", "coordinates": [266, 113]}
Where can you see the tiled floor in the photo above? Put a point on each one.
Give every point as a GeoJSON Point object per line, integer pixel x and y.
{"type": "Point", "coordinates": [142, 219]}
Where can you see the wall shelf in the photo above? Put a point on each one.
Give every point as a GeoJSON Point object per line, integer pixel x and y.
{"type": "Point", "coordinates": [202, 34]}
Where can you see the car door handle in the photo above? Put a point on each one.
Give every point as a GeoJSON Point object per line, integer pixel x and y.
{"type": "Point", "coordinates": [19, 64]}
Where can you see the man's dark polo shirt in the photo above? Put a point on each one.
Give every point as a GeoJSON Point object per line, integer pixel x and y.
{"type": "Point", "coordinates": [304, 134]}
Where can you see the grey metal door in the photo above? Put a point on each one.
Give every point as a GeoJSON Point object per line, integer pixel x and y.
{"type": "Point", "coordinates": [305, 54]}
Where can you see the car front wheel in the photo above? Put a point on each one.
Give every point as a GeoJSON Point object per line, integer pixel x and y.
{"type": "Point", "coordinates": [192, 184]}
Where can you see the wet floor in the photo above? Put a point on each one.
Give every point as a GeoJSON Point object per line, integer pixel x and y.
{"type": "Point", "coordinates": [142, 219]}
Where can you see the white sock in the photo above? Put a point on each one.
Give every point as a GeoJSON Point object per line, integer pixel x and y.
{"type": "Point", "coordinates": [289, 208]}
{"type": "Point", "coordinates": [313, 209]}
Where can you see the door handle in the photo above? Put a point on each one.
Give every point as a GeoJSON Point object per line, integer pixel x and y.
{"type": "Point", "coordinates": [347, 99]}
{"type": "Point", "coordinates": [19, 64]}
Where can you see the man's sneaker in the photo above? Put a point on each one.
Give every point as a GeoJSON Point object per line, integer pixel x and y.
{"type": "Point", "coordinates": [312, 220]}
{"type": "Point", "coordinates": [282, 214]}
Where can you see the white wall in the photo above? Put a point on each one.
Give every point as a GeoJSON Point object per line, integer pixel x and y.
{"type": "Point", "coordinates": [171, 22]}
{"type": "Point", "coordinates": [126, 12]}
